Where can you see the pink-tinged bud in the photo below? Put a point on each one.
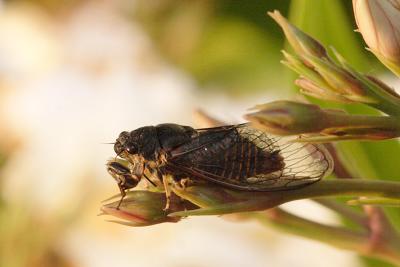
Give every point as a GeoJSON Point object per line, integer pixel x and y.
{"type": "Point", "coordinates": [301, 42]}
{"type": "Point", "coordinates": [379, 23]}
{"type": "Point", "coordinates": [143, 208]}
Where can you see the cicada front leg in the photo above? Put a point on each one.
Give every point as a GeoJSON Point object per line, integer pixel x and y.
{"type": "Point", "coordinates": [122, 174]}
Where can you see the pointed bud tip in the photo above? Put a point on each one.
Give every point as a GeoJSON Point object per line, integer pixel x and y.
{"type": "Point", "coordinates": [301, 42]}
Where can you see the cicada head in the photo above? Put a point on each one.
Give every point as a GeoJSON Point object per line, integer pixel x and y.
{"type": "Point", "coordinates": [142, 141]}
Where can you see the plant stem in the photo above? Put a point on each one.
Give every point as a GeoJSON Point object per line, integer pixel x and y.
{"type": "Point", "coordinates": [336, 236]}
{"type": "Point", "coordinates": [344, 210]}
{"type": "Point", "coordinates": [225, 201]}
{"type": "Point", "coordinates": [349, 187]}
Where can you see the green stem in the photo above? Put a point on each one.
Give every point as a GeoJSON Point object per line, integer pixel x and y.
{"type": "Point", "coordinates": [388, 126]}
{"type": "Point", "coordinates": [344, 210]}
{"type": "Point", "coordinates": [348, 187]}
{"type": "Point", "coordinates": [386, 122]}
{"type": "Point", "coordinates": [336, 236]}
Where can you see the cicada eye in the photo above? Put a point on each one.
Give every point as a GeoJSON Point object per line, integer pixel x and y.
{"type": "Point", "coordinates": [118, 148]}
{"type": "Point", "coordinates": [132, 149]}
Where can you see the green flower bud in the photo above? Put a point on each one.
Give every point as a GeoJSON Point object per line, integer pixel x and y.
{"type": "Point", "coordinates": [288, 118]}
{"type": "Point", "coordinates": [302, 43]}
{"type": "Point", "coordinates": [292, 118]}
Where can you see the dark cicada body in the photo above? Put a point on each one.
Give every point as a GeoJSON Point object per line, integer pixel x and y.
{"type": "Point", "coordinates": [234, 156]}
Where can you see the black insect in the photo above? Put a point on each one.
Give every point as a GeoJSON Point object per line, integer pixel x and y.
{"type": "Point", "coordinates": [234, 156]}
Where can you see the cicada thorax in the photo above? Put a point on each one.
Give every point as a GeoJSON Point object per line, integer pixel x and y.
{"type": "Point", "coordinates": [169, 137]}
{"type": "Point", "coordinates": [172, 135]}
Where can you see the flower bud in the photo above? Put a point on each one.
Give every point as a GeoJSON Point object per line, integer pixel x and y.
{"type": "Point", "coordinates": [378, 22]}
{"type": "Point", "coordinates": [301, 42]}
{"type": "Point", "coordinates": [338, 79]}
{"type": "Point", "coordinates": [288, 118]}
{"type": "Point", "coordinates": [308, 87]}
{"type": "Point", "coordinates": [326, 79]}
{"type": "Point", "coordinates": [292, 118]}
{"type": "Point", "coordinates": [143, 208]}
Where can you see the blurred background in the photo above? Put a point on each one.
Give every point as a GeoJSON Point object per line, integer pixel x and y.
{"type": "Point", "coordinates": [74, 74]}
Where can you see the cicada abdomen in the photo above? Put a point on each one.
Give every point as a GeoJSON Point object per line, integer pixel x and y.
{"type": "Point", "coordinates": [244, 158]}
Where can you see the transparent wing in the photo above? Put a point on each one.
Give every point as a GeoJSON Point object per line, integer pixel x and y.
{"type": "Point", "coordinates": [248, 159]}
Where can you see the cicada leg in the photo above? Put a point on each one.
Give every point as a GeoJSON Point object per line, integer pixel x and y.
{"type": "Point", "coordinates": [123, 194]}
{"type": "Point", "coordinates": [185, 182]}
{"type": "Point", "coordinates": [165, 181]}
{"type": "Point", "coordinates": [122, 174]}
{"type": "Point", "coordinates": [167, 192]}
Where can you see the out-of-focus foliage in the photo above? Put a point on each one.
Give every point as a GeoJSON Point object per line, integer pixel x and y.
{"type": "Point", "coordinates": [229, 45]}
{"type": "Point", "coordinates": [27, 240]}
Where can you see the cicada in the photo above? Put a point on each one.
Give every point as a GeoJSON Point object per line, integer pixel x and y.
{"type": "Point", "coordinates": [238, 157]}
